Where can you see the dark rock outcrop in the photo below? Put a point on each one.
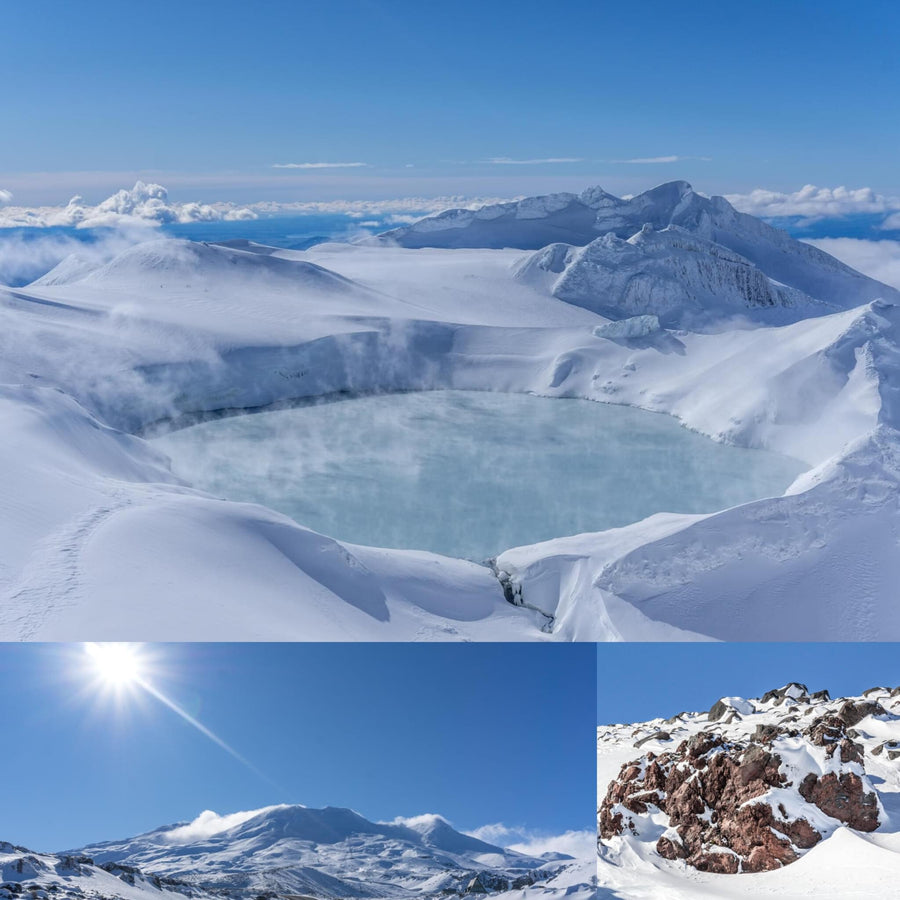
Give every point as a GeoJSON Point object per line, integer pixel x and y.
{"type": "Point", "coordinates": [705, 787]}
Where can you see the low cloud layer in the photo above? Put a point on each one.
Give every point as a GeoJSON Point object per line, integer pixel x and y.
{"type": "Point", "coordinates": [143, 204]}
{"type": "Point", "coordinates": [877, 259]}
{"type": "Point", "coordinates": [398, 209]}
{"type": "Point", "coordinates": [813, 202]}
{"type": "Point", "coordinates": [579, 844]}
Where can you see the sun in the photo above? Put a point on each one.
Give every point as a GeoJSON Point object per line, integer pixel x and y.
{"type": "Point", "coordinates": [116, 665]}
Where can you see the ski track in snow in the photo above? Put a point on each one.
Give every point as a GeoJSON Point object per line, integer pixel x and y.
{"type": "Point", "coordinates": [51, 579]}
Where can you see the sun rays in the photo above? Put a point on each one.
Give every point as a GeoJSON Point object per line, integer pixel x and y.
{"type": "Point", "coordinates": [125, 669]}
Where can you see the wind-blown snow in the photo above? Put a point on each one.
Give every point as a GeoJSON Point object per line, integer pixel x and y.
{"type": "Point", "coordinates": [92, 355]}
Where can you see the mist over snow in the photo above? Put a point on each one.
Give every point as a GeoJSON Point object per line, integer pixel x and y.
{"type": "Point", "coordinates": [26, 255]}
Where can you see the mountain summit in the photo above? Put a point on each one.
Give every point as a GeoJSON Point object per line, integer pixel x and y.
{"type": "Point", "coordinates": [330, 852]}
{"type": "Point", "coordinates": [668, 251]}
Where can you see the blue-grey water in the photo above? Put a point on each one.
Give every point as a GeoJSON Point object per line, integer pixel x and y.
{"type": "Point", "coordinates": [469, 474]}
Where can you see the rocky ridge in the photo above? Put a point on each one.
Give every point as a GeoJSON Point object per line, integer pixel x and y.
{"type": "Point", "coordinates": [752, 785]}
{"type": "Point", "coordinates": [26, 875]}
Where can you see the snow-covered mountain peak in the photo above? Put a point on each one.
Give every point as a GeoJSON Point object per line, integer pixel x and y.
{"type": "Point", "coordinates": [327, 852]}
{"type": "Point", "coordinates": [597, 198]}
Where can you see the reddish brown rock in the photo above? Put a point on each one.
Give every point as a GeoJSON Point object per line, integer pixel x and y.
{"type": "Point", "coordinates": [853, 712]}
{"type": "Point", "coordinates": [705, 785]}
{"type": "Point", "coordinates": [843, 798]}
{"type": "Point", "coordinates": [669, 849]}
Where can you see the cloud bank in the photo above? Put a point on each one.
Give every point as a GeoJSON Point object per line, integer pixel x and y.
{"type": "Point", "coordinates": [877, 259]}
{"type": "Point", "coordinates": [580, 844]}
{"type": "Point", "coordinates": [813, 202]}
{"type": "Point", "coordinates": [400, 208]}
{"type": "Point", "coordinates": [144, 204]}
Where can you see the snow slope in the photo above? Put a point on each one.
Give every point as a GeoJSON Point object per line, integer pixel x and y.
{"type": "Point", "coordinates": [683, 280]}
{"type": "Point", "coordinates": [327, 852]}
{"type": "Point", "coordinates": [92, 357]}
{"type": "Point", "coordinates": [844, 863]}
{"type": "Point", "coordinates": [41, 876]}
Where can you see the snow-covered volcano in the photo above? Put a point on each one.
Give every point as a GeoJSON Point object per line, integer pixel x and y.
{"type": "Point", "coordinates": [791, 794]}
{"type": "Point", "coordinates": [330, 853]}
{"type": "Point", "coordinates": [741, 333]}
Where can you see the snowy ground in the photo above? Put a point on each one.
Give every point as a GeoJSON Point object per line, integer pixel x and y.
{"type": "Point", "coordinates": [100, 540]}
{"type": "Point", "coordinates": [845, 864]}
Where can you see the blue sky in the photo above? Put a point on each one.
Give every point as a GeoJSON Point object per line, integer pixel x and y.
{"type": "Point", "coordinates": [478, 733]}
{"type": "Point", "coordinates": [637, 682]}
{"type": "Point", "coordinates": [206, 97]}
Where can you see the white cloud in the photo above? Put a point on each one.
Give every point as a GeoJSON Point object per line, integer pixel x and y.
{"type": "Point", "coordinates": [423, 821]}
{"type": "Point", "coordinates": [143, 204]}
{"type": "Point", "coordinates": [6, 197]}
{"type": "Point", "coordinates": [813, 202]}
{"type": "Point", "coordinates": [320, 165]}
{"type": "Point", "coordinates": [209, 823]}
{"type": "Point", "coordinates": [506, 161]}
{"type": "Point", "coordinates": [650, 160]}
{"type": "Point", "coordinates": [877, 259]}
{"type": "Point", "coordinates": [642, 160]}
{"type": "Point", "coordinates": [580, 844]}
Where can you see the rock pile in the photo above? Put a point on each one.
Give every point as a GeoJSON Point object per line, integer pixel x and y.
{"type": "Point", "coordinates": [746, 798]}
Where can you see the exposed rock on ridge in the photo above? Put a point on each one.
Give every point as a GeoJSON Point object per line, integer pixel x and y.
{"type": "Point", "coordinates": [753, 791]}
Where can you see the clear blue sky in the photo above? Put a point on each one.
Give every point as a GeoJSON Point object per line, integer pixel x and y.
{"type": "Point", "coordinates": [209, 94]}
{"type": "Point", "coordinates": [638, 682]}
{"type": "Point", "coordinates": [478, 733]}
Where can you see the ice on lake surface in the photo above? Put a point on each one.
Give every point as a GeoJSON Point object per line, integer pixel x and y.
{"type": "Point", "coordinates": [469, 474]}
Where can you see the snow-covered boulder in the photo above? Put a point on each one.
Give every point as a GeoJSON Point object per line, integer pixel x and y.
{"type": "Point", "coordinates": [750, 793]}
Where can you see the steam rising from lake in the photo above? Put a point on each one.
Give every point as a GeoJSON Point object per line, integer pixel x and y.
{"type": "Point", "coordinates": [469, 474]}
